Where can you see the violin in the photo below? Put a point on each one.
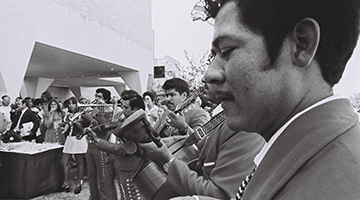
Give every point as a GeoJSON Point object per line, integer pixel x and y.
{"type": "Point", "coordinates": [105, 126]}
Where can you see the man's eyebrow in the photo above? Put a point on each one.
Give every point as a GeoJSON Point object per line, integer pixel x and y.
{"type": "Point", "coordinates": [232, 37]}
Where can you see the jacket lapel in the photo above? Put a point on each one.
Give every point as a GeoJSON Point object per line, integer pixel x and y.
{"type": "Point", "coordinates": [299, 142]}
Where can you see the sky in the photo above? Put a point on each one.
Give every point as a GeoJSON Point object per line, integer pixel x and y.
{"type": "Point", "coordinates": [174, 32]}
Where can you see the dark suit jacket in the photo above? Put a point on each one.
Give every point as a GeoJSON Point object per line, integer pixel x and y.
{"type": "Point", "coordinates": [225, 159]}
{"type": "Point", "coordinates": [316, 157]}
{"type": "Point", "coordinates": [28, 116]}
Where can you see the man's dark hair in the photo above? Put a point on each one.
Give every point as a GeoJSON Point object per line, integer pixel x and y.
{"type": "Point", "coordinates": [106, 94]}
{"type": "Point", "coordinates": [178, 84]}
{"type": "Point", "coordinates": [274, 19]}
{"type": "Point", "coordinates": [128, 94]}
{"type": "Point", "coordinates": [37, 102]}
{"type": "Point", "coordinates": [27, 102]}
{"type": "Point", "coordinates": [4, 96]}
{"type": "Point", "coordinates": [135, 100]}
{"type": "Point", "coordinates": [150, 94]}
{"type": "Point", "coordinates": [137, 103]}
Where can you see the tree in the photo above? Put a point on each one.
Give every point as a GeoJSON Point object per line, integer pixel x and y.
{"type": "Point", "coordinates": [191, 73]}
{"type": "Point", "coordinates": [355, 101]}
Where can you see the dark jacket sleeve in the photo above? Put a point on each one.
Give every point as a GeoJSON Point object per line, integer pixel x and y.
{"type": "Point", "coordinates": [35, 120]}
{"type": "Point", "coordinates": [109, 147]}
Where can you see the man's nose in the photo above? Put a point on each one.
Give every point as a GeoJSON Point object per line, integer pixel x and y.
{"type": "Point", "coordinates": [215, 74]}
{"type": "Point", "coordinates": [167, 98]}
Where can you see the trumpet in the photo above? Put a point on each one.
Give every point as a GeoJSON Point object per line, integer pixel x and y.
{"type": "Point", "coordinates": [95, 103]}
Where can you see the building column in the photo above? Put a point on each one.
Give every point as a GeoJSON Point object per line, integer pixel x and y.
{"type": "Point", "coordinates": [132, 79]}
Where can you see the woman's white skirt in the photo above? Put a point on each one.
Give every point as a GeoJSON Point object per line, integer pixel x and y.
{"type": "Point", "coordinates": [75, 146]}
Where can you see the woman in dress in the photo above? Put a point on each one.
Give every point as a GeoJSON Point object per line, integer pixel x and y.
{"type": "Point", "coordinates": [74, 126]}
{"type": "Point", "coordinates": [52, 121]}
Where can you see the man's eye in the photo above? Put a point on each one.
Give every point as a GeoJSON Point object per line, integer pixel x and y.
{"type": "Point", "coordinates": [226, 51]}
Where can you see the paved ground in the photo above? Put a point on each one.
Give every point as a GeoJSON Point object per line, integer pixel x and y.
{"type": "Point", "coordinates": [84, 194]}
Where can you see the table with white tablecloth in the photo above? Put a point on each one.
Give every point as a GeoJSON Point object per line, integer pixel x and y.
{"type": "Point", "coordinates": [29, 170]}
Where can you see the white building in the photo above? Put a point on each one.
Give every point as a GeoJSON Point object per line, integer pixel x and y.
{"type": "Point", "coordinates": [66, 46]}
{"type": "Point", "coordinates": [166, 64]}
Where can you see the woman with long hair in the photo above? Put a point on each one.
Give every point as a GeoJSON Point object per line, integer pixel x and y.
{"type": "Point", "coordinates": [74, 126]}
{"type": "Point", "coordinates": [52, 120]}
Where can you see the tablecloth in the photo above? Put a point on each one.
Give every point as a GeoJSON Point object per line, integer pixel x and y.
{"type": "Point", "coordinates": [25, 175]}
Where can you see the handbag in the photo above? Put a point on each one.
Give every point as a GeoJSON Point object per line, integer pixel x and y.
{"type": "Point", "coordinates": [11, 136]}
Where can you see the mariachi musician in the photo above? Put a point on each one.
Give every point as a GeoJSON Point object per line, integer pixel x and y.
{"type": "Point", "coordinates": [125, 164]}
{"type": "Point", "coordinates": [100, 164]}
{"type": "Point", "coordinates": [225, 158]}
{"type": "Point", "coordinates": [183, 123]}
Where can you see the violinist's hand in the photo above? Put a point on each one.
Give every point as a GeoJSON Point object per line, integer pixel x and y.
{"type": "Point", "coordinates": [177, 121]}
{"type": "Point", "coordinates": [91, 134]}
{"type": "Point", "coordinates": [155, 153]}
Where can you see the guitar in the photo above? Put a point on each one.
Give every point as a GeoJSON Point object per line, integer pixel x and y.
{"type": "Point", "coordinates": [182, 106]}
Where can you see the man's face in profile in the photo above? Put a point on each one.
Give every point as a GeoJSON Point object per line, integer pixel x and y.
{"type": "Point", "coordinates": [127, 109]}
{"type": "Point", "coordinates": [99, 97]}
{"type": "Point", "coordinates": [252, 93]}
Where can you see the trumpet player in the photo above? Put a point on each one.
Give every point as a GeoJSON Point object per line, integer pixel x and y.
{"type": "Point", "coordinates": [124, 163]}
{"type": "Point", "coordinates": [100, 164]}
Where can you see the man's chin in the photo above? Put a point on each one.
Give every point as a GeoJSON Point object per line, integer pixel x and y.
{"type": "Point", "coordinates": [234, 123]}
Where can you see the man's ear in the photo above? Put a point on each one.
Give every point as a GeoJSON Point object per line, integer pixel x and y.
{"type": "Point", "coordinates": [306, 35]}
{"type": "Point", "coordinates": [184, 95]}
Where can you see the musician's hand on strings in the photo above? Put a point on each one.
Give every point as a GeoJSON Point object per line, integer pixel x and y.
{"type": "Point", "coordinates": [155, 153]}
{"type": "Point", "coordinates": [91, 134]}
{"type": "Point", "coordinates": [177, 121]}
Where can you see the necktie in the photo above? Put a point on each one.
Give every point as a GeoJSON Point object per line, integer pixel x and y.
{"type": "Point", "coordinates": [243, 185]}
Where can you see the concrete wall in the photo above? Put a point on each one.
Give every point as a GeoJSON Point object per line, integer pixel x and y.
{"type": "Point", "coordinates": [116, 31]}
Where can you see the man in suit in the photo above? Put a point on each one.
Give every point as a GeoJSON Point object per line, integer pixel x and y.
{"type": "Point", "coordinates": [275, 64]}
{"type": "Point", "coordinates": [25, 115]}
{"type": "Point", "coordinates": [183, 123]}
{"type": "Point", "coordinates": [226, 157]}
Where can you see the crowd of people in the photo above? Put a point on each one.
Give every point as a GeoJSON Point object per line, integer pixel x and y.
{"type": "Point", "coordinates": [100, 154]}
{"type": "Point", "coordinates": [278, 131]}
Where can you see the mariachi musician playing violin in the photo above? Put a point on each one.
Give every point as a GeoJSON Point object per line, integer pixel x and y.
{"type": "Point", "coordinates": [225, 158]}
{"type": "Point", "coordinates": [100, 164]}
{"type": "Point", "coordinates": [125, 164]}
